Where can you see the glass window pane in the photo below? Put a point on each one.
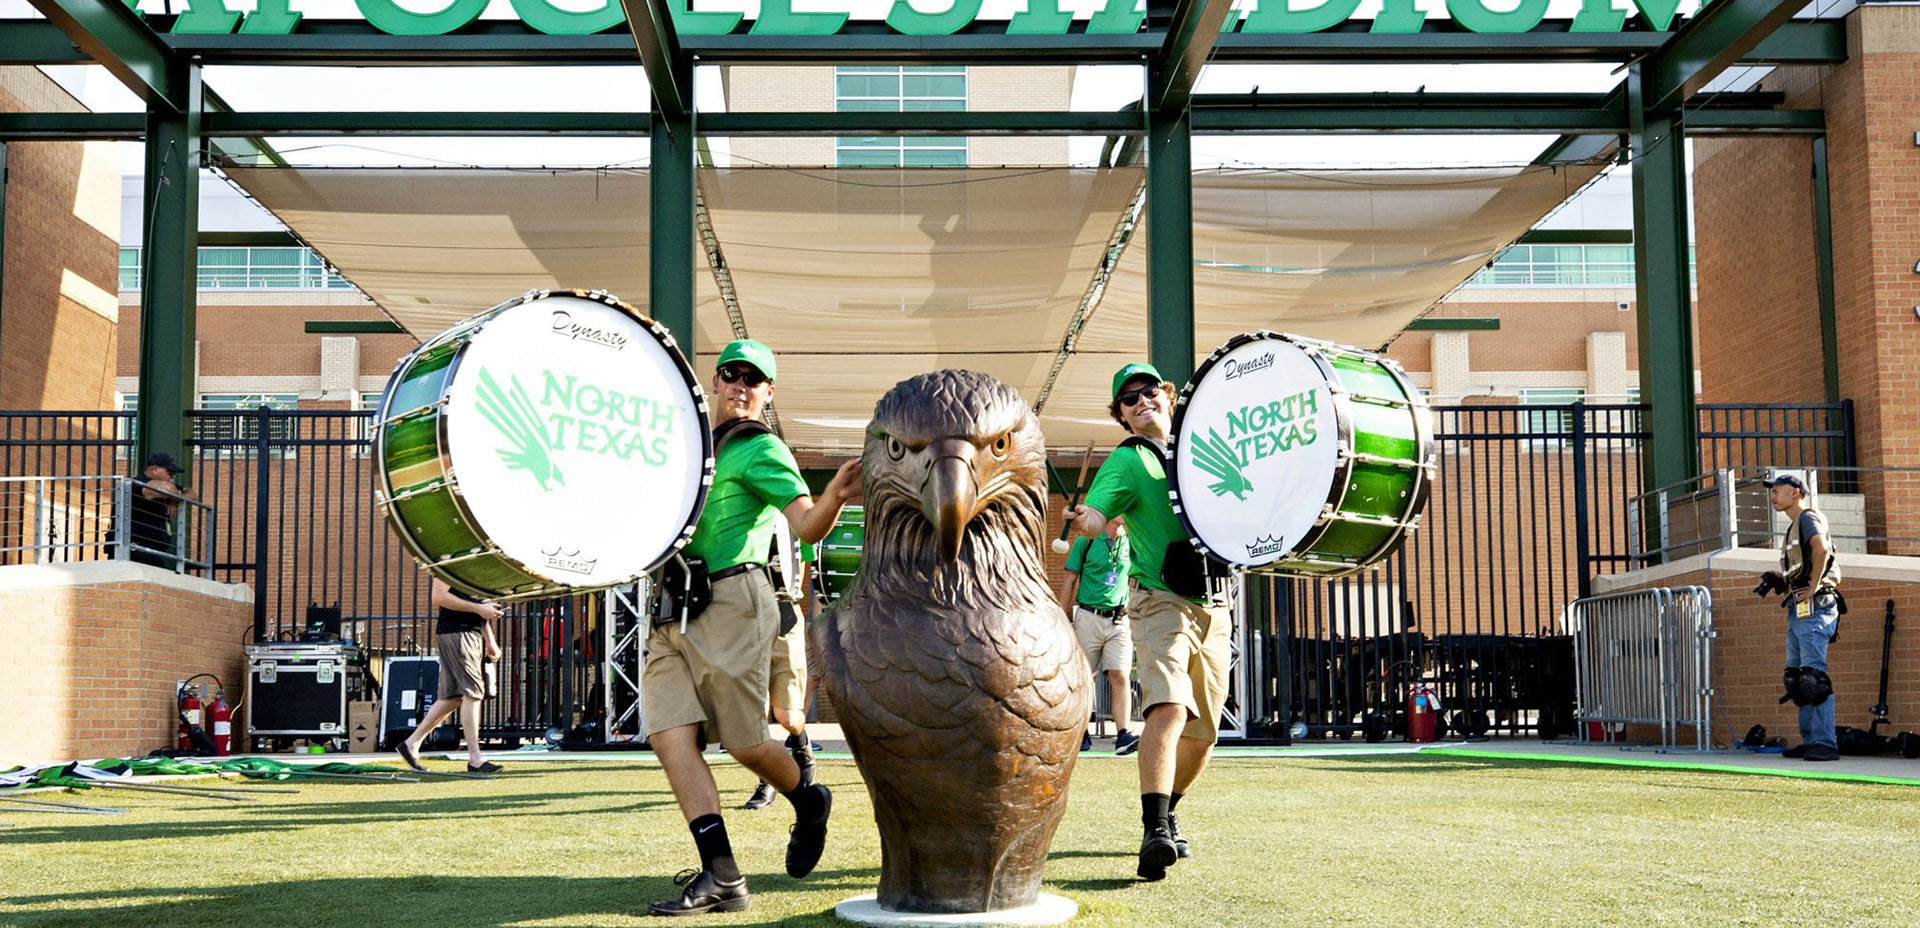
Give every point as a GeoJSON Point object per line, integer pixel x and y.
{"type": "Point", "coordinates": [847, 105]}
{"type": "Point", "coordinates": [934, 106]}
{"type": "Point", "coordinates": [869, 157]}
{"type": "Point", "coordinates": [935, 158]}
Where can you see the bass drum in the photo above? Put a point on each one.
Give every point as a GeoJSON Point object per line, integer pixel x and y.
{"type": "Point", "coordinates": [1300, 457]}
{"type": "Point", "coordinates": [556, 442]}
{"type": "Point", "coordinates": [840, 551]}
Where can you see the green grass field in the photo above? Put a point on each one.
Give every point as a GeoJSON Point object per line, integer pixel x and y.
{"type": "Point", "coordinates": [1396, 840]}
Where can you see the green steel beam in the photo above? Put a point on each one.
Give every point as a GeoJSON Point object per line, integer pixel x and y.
{"type": "Point", "coordinates": [1722, 33]}
{"type": "Point", "coordinates": [1713, 121]}
{"type": "Point", "coordinates": [1575, 237]}
{"type": "Point", "coordinates": [321, 327]}
{"type": "Point", "coordinates": [72, 127]}
{"type": "Point", "coordinates": [116, 37]}
{"type": "Point", "coordinates": [965, 122]}
{"type": "Point", "coordinates": [1823, 262]}
{"type": "Point", "coordinates": [506, 42]}
{"type": "Point", "coordinates": [251, 149]}
{"type": "Point", "coordinates": [671, 180]}
{"type": "Point", "coordinates": [169, 254]}
{"type": "Point", "coordinates": [1430, 324]}
{"type": "Point", "coordinates": [3, 247]}
{"type": "Point", "coordinates": [1169, 208]}
{"type": "Point", "coordinates": [1664, 297]}
{"type": "Point", "coordinates": [1173, 72]}
{"type": "Point", "coordinates": [669, 70]}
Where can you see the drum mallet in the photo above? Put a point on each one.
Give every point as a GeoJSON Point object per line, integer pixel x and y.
{"type": "Point", "coordinates": [1060, 545]}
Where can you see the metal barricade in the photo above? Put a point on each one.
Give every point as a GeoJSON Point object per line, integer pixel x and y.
{"type": "Point", "coordinates": [1645, 658]}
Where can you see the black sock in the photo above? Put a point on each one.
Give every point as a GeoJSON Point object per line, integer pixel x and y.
{"type": "Point", "coordinates": [1153, 810]}
{"type": "Point", "coordinates": [716, 852]}
{"type": "Point", "coordinates": [806, 802]}
{"type": "Point", "coordinates": [1173, 801]}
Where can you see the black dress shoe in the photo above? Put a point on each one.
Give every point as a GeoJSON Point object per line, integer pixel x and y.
{"type": "Point", "coordinates": [1822, 752]}
{"type": "Point", "coordinates": [1180, 847]}
{"type": "Point", "coordinates": [808, 837]}
{"type": "Point", "coordinates": [1798, 750]}
{"type": "Point", "coordinates": [703, 894]}
{"type": "Point", "coordinates": [762, 797]}
{"type": "Point", "coordinates": [1157, 853]}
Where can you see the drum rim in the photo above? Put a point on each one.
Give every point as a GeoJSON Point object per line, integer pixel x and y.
{"type": "Point", "coordinates": [1342, 426]}
{"type": "Point", "coordinates": [547, 586]}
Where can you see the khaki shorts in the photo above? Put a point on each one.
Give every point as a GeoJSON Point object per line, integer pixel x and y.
{"type": "Point", "coordinates": [1108, 643]}
{"type": "Point", "coordinates": [788, 687]}
{"type": "Point", "coordinates": [716, 672]}
{"type": "Point", "coordinates": [461, 656]}
{"type": "Point", "coordinates": [1184, 657]}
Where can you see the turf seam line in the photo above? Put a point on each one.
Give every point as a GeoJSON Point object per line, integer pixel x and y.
{"type": "Point", "coordinates": [1677, 765]}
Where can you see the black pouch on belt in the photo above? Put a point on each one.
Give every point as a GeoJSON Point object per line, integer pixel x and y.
{"type": "Point", "coordinates": [1189, 573]}
{"type": "Point", "coordinates": [682, 591]}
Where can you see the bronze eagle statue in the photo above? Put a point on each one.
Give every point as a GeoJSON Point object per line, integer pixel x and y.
{"type": "Point", "coordinates": [956, 677]}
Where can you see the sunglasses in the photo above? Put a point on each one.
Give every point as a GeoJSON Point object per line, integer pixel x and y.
{"type": "Point", "coordinates": [1129, 398]}
{"type": "Point", "coordinates": [748, 375]}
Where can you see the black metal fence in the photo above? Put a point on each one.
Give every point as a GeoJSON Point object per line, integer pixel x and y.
{"type": "Point", "coordinates": [1529, 503]}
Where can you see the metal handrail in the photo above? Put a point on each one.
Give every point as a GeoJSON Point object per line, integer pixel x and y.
{"type": "Point", "coordinates": [1723, 486]}
{"type": "Point", "coordinates": [50, 508]}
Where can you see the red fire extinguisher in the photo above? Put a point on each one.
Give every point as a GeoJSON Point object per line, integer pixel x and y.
{"type": "Point", "coordinates": [1423, 708]}
{"type": "Point", "coordinates": [220, 723]}
{"type": "Point", "coordinates": [190, 718]}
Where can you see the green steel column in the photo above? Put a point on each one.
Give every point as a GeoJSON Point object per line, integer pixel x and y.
{"type": "Point", "coordinates": [1823, 261]}
{"type": "Point", "coordinates": [1170, 244]}
{"type": "Point", "coordinates": [1671, 453]}
{"type": "Point", "coordinates": [3, 248]}
{"type": "Point", "coordinates": [169, 252]}
{"type": "Point", "coordinates": [671, 235]}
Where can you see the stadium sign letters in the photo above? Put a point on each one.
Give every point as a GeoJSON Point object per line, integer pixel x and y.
{"type": "Point", "coordinates": [1041, 17]}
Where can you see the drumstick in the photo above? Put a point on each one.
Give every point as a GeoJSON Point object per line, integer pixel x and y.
{"type": "Point", "coordinates": [1060, 545]}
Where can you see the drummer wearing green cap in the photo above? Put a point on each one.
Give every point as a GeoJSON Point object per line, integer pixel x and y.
{"type": "Point", "coordinates": [711, 672]}
{"type": "Point", "coordinates": [1182, 640]}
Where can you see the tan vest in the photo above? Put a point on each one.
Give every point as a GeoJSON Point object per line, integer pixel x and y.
{"type": "Point", "coordinates": [1790, 554]}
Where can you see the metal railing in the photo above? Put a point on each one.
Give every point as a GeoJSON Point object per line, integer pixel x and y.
{"type": "Point", "coordinates": [1645, 657]}
{"type": "Point", "coordinates": [64, 520]}
{"type": "Point", "coordinates": [1732, 508]}
{"type": "Point", "coordinates": [1530, 502]}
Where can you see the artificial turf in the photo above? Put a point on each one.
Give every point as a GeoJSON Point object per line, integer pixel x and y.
{"type": "Point", "coordinates": [1395, 840]}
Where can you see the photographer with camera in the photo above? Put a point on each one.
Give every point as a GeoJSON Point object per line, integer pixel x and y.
{"type": "Point", "coordinates": [1810, 578]}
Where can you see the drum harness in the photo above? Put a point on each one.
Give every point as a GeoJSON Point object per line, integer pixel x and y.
{"type": "Point", "coordinates": [685, 587]}
{"type": "Point", "coordinates": [1184, 569]}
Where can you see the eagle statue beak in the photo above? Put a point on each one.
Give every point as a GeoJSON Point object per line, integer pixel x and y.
{"type": "Point", "coordinates": [948, 495]}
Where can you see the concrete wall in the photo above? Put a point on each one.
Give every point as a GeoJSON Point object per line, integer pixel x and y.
{"type": "Point", "coordinates": [62, 260]}
{"type": "Point", "coordinates": [94, 650]}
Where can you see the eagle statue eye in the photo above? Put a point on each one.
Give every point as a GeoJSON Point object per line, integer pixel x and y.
{"type": "Point", "coordinates": [1000, 446]}
{"type": "Point", "coordinates": [895, 449]}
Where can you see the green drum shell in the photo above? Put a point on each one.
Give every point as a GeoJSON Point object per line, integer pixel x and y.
{"type": "Point", "coordinates": [1373, 489]}
{"type": "Point", "coordinates": [421, 490]}
{"type": "Point", "coordinates": [840, 551]}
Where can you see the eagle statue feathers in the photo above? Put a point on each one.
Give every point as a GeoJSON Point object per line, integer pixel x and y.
{"type": "Point", "coordinates": [956, 677]}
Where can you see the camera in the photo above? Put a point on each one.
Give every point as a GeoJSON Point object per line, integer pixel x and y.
{"type": "Point", "coordinates": [1771, 582]}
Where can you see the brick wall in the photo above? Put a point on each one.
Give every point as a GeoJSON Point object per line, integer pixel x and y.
{"type": "Point", "coordinates": [1758, 298]}
{"type": "Point", "coordinates": [62, 259]}
{"type": "Point", "coordinates": [92, 674]}
{"type": "Point", "coordinates": [1751, 649]}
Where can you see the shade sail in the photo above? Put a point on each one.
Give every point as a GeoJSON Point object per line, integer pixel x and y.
{"type": "Point", "coordinates": [861, 277]}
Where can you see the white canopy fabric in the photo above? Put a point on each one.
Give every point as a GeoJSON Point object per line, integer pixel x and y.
{"type": "Point", "coordinates": [861, 277]}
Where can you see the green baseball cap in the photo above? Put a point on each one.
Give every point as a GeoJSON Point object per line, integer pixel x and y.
{"type": "Point", "coordinates": [751, 352]}
{"type": "Point", "coordinates": [1127, 373]}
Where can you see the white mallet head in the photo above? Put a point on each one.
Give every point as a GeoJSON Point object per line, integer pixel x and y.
{"type": "Point", "coordinates": [1060, 546]}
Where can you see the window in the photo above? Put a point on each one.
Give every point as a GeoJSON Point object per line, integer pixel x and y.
{"type": "Point", "coordinates": [234, 267]}
{"type": "Point", "coordinates": [900, 89]}
{"type": "Point", "coordinates": [1554, 423]}
{"type": "Point", "coordinates": [236, 432]}
{"type": "Point", "coordinates": [1572, 265]}
{"type": "Point", "coordinates": [128, 430]}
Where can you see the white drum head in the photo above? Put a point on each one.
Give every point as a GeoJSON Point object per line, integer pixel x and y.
{"type": "Point", "coordinates": [577, 440]}
{"type": "Point", "coordinates": [1256, 445]}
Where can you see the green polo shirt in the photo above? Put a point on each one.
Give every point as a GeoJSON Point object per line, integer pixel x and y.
{"type": "Point", "coordinates": [1133, 484]}
{"type": "Point", "coordinates": [754, 479]}
{"type": "Point", "coordinates": [1102, 564]}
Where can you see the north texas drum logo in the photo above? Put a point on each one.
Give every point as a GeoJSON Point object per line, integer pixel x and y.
{"type": "Point", "coordinates": [1255, 432]}
{"type": "Point", "coordinates": [572, 417]}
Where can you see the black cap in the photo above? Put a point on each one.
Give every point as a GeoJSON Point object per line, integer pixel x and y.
{"type": "Point", "coordinates": [163, 459]}
{"type": "Point", "coordinates": [1792, 480]}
